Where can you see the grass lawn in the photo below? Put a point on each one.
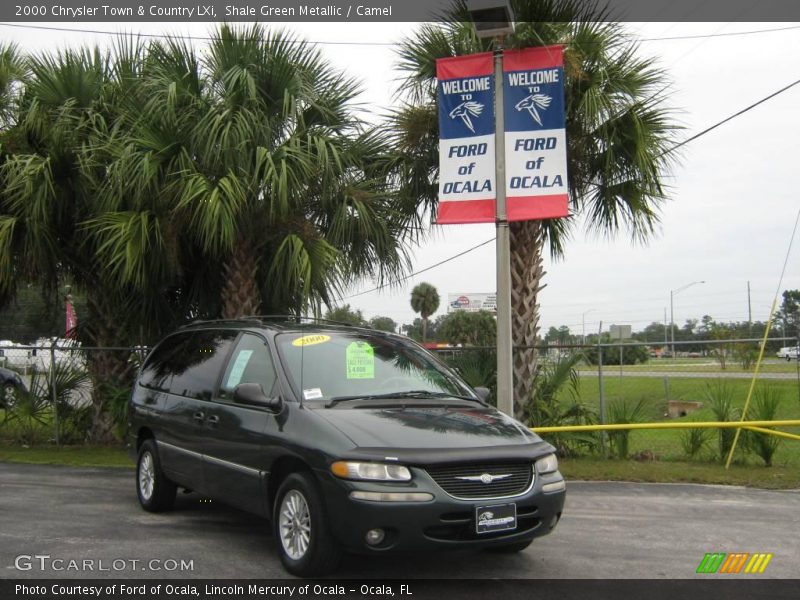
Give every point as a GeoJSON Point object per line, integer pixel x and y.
{"type": "Point", "coordinates": [75, 456]}
{"type": "Point", "coordinates": [666, 444]}
{"type": "Point", "coordinates": [698, 365]}
{"type": "Point", "coordinates": [660, 471]}
{"type": "Point", "coordinates": [671, 464]}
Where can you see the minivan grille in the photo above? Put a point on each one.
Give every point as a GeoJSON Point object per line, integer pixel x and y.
{"type": "Point", "coordinates": [450, 479]}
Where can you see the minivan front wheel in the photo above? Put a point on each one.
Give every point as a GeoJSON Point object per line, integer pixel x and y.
{"type": "Point", "coordinates": [156, 492]}
{"type": "Point", "coordinates": [305, 544]}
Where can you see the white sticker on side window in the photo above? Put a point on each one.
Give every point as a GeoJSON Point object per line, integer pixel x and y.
{"type": "Point", "coordinates": [237, 370]}
{"type": "Point", "coordinates": [312, 394]}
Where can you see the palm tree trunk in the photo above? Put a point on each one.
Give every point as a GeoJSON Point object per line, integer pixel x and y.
{"type": "Point", "coordinates": [106, 367]}
{"type": "Point", "coordinates": [240, 293]}
{"type": "Point", "coordinates": [424, 329]}
{"type": "Point", "coordinates": [527, 271]}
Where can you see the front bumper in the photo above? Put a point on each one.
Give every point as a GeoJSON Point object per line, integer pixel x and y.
{"type": "Point", "coordinates": [442, 523]}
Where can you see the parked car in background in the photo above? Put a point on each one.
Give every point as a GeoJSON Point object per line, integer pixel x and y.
{"type": "Point", "coordinates": [13, 354]}
{"type": "Point", "coordinates": [346, 438]}
{"type": "Point", "coordinates": [10, 385]}
{"type": "Point", "coordinates": [788, 352]}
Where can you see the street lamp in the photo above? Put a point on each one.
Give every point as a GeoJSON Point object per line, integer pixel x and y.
{"type": "Point", "coordinates": [493, 19]}
{"type": "Point", "coordinates": [583, 324]}
{"type": "Point", "coordinates": [672, 313]}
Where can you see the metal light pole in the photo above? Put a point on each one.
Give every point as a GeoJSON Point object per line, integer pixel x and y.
{"type": "Point", "coordinates": [672, 314]}
{"type": "Point", "coordinates": [494, 19]}
{"type": "Point", "coordinates": [583, 325]}
{"type": "Point", "coordinates": [505, 356]}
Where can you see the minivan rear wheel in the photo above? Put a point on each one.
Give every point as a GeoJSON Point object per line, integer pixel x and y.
{"type": "Point", "coordinates": [156, 492]}
{"type": "Point", "coordinates": [300, 522]}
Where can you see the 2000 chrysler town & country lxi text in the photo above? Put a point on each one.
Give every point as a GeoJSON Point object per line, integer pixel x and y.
{"type": "Point", "coordinates": [345, 438]}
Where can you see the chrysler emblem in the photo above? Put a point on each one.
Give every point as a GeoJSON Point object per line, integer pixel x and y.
{"type": "Point", "coordinates": [485, 478]}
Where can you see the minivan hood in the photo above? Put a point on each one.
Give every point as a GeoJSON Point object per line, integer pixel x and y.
{"type": "Point", "coordinates": [428, 427]}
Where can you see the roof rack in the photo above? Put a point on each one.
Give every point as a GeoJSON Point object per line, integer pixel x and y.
{"type": "Point", "coordinates": [260, 319]}
{"type": "Point", "coordinates": [299, 319]}
{"type": "Point", "coordinates": [218, 322]}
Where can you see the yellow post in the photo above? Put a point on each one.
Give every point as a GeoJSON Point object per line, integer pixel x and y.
{"type": "Point", "coordinates": [753, 381]}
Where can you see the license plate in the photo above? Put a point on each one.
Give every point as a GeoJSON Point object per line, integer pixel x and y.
{"type": "Point", "coordinates": [498, 517]}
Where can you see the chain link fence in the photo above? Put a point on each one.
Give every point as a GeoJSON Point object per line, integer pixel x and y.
{"type": "Point", "coordinates": [48, 395]}
{"type": "Point", "coordinates": [636, 382]}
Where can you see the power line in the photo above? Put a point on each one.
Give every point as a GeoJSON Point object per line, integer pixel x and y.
{"type": "Point", "coordinates": [718, 35]}
{"type": "Point", "coordinates": [198, 38]}
{"type": "Point", "coordinates": [731, 117]}
{"type": "Point", "coordinates": [446, 260]}
{"type": "Point", "coordinates": [201, 38]}
{"type": "Point", "coordinates": [675, 147]}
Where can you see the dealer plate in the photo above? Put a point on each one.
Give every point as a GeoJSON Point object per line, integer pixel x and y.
{"type": "Point", "coordinates": [497, 517]}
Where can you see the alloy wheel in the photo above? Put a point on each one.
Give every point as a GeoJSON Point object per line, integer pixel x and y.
{"type": "Point", "coordinates": [295, 524]}
{"type": "Point", "coordinates": [147, 475]}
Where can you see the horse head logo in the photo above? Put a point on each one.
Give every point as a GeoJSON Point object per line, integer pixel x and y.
{"type": "Point", "coordinates": [467, 110]}
{"type": "Point", "coordinates": [533, 104]}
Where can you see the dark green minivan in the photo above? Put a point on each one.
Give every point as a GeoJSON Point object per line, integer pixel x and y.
{"type": "Point", "coordinates": [345, 438]}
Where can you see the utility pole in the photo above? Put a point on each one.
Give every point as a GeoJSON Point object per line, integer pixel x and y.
{"type": "Point", "coordinates": [672, 313]}
{"type": "Point", "coordinates": [749, 311]}
{"type": "Point", "coordinates": [583, 324]}
{"type": "Point", "coordinates": [600, 383]}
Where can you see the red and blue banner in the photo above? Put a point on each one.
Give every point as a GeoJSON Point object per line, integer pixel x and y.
{"type": "Point", "coordinates": [466, 139]}
{"type": "Point", "coordinates": [535, 138]}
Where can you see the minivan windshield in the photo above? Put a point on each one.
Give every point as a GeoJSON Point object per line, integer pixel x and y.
{"type": "Point", "coordinates": [330, 365]}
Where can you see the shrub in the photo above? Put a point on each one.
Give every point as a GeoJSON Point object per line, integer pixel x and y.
{"type": "Point", "coordinates": [693, 441]}
{"type": "Point", "coordinates": [766, 401]}
{"type": "Point", "coordinates": [555, 401]}
{"type": "Point", "coordinates": [478, 368]}
{"type": "Point", "coordinates": [631, 355]}
{"type": "Point", "coordinates": [623, 411]}
{"type": "Point", "coordinates": [719, 396]}
{"type": "Point", "coordinates": [746, 354]}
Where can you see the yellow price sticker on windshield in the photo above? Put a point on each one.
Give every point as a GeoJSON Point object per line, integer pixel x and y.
{"type": "Point", "coordinates": [310, 340]}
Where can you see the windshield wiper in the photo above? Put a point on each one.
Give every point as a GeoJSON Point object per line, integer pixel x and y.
{"type": "Point", "coordinates": [407, 394]}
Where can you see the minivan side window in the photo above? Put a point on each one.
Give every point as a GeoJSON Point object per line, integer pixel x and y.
{"type": "Point", "coordinates": [249, 363]}
{"type": "Point", "coordinates": [188, 364]}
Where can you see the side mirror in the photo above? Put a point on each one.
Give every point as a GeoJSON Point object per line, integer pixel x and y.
{"type": "Point", "coordinates": [252, 394]}
{"type": "Point", "coordinates": [483, 393]}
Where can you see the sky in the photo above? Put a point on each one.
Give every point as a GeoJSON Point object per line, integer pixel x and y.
{"type": "Point", "coordinates": [733, 202]}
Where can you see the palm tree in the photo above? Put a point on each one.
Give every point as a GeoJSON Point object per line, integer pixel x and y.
{"type": "Point", "coordinates": [67, 108]}
{"type": "Point", "coordinates": [252, 157]}
{"type": "Point", "coordinates": [618, 135]}
{"type": "Point", "coordinates": [168, 186]}
{"type": "Point", "coordinates": [425, 301]}
{"type": "Point", "coordinates": [13, 72]}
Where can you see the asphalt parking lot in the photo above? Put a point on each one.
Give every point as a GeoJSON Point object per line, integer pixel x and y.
{"type": "Point", "coordinates": [609, 530]}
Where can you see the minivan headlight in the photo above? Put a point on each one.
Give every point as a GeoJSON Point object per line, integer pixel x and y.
{"type": "Point", "coordinates": [370, 471]}
{"type": "Point", "coordinates": [547, 464]}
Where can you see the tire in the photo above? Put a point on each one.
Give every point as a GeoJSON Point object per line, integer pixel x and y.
{"type": "Point", "coordinates": [9, 397]}
{"type": "Point", "coordinates": [512, 548]}
{"type": "Point", "coordinates": [299, 510]}
{"type": "Point", "coordinates": [155, 491]}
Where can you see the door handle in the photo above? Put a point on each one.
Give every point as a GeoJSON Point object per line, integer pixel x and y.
{"type": "Point", "coordinates": [199, 416]}
{"type": "Point", "coordinates": [212, 420]}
